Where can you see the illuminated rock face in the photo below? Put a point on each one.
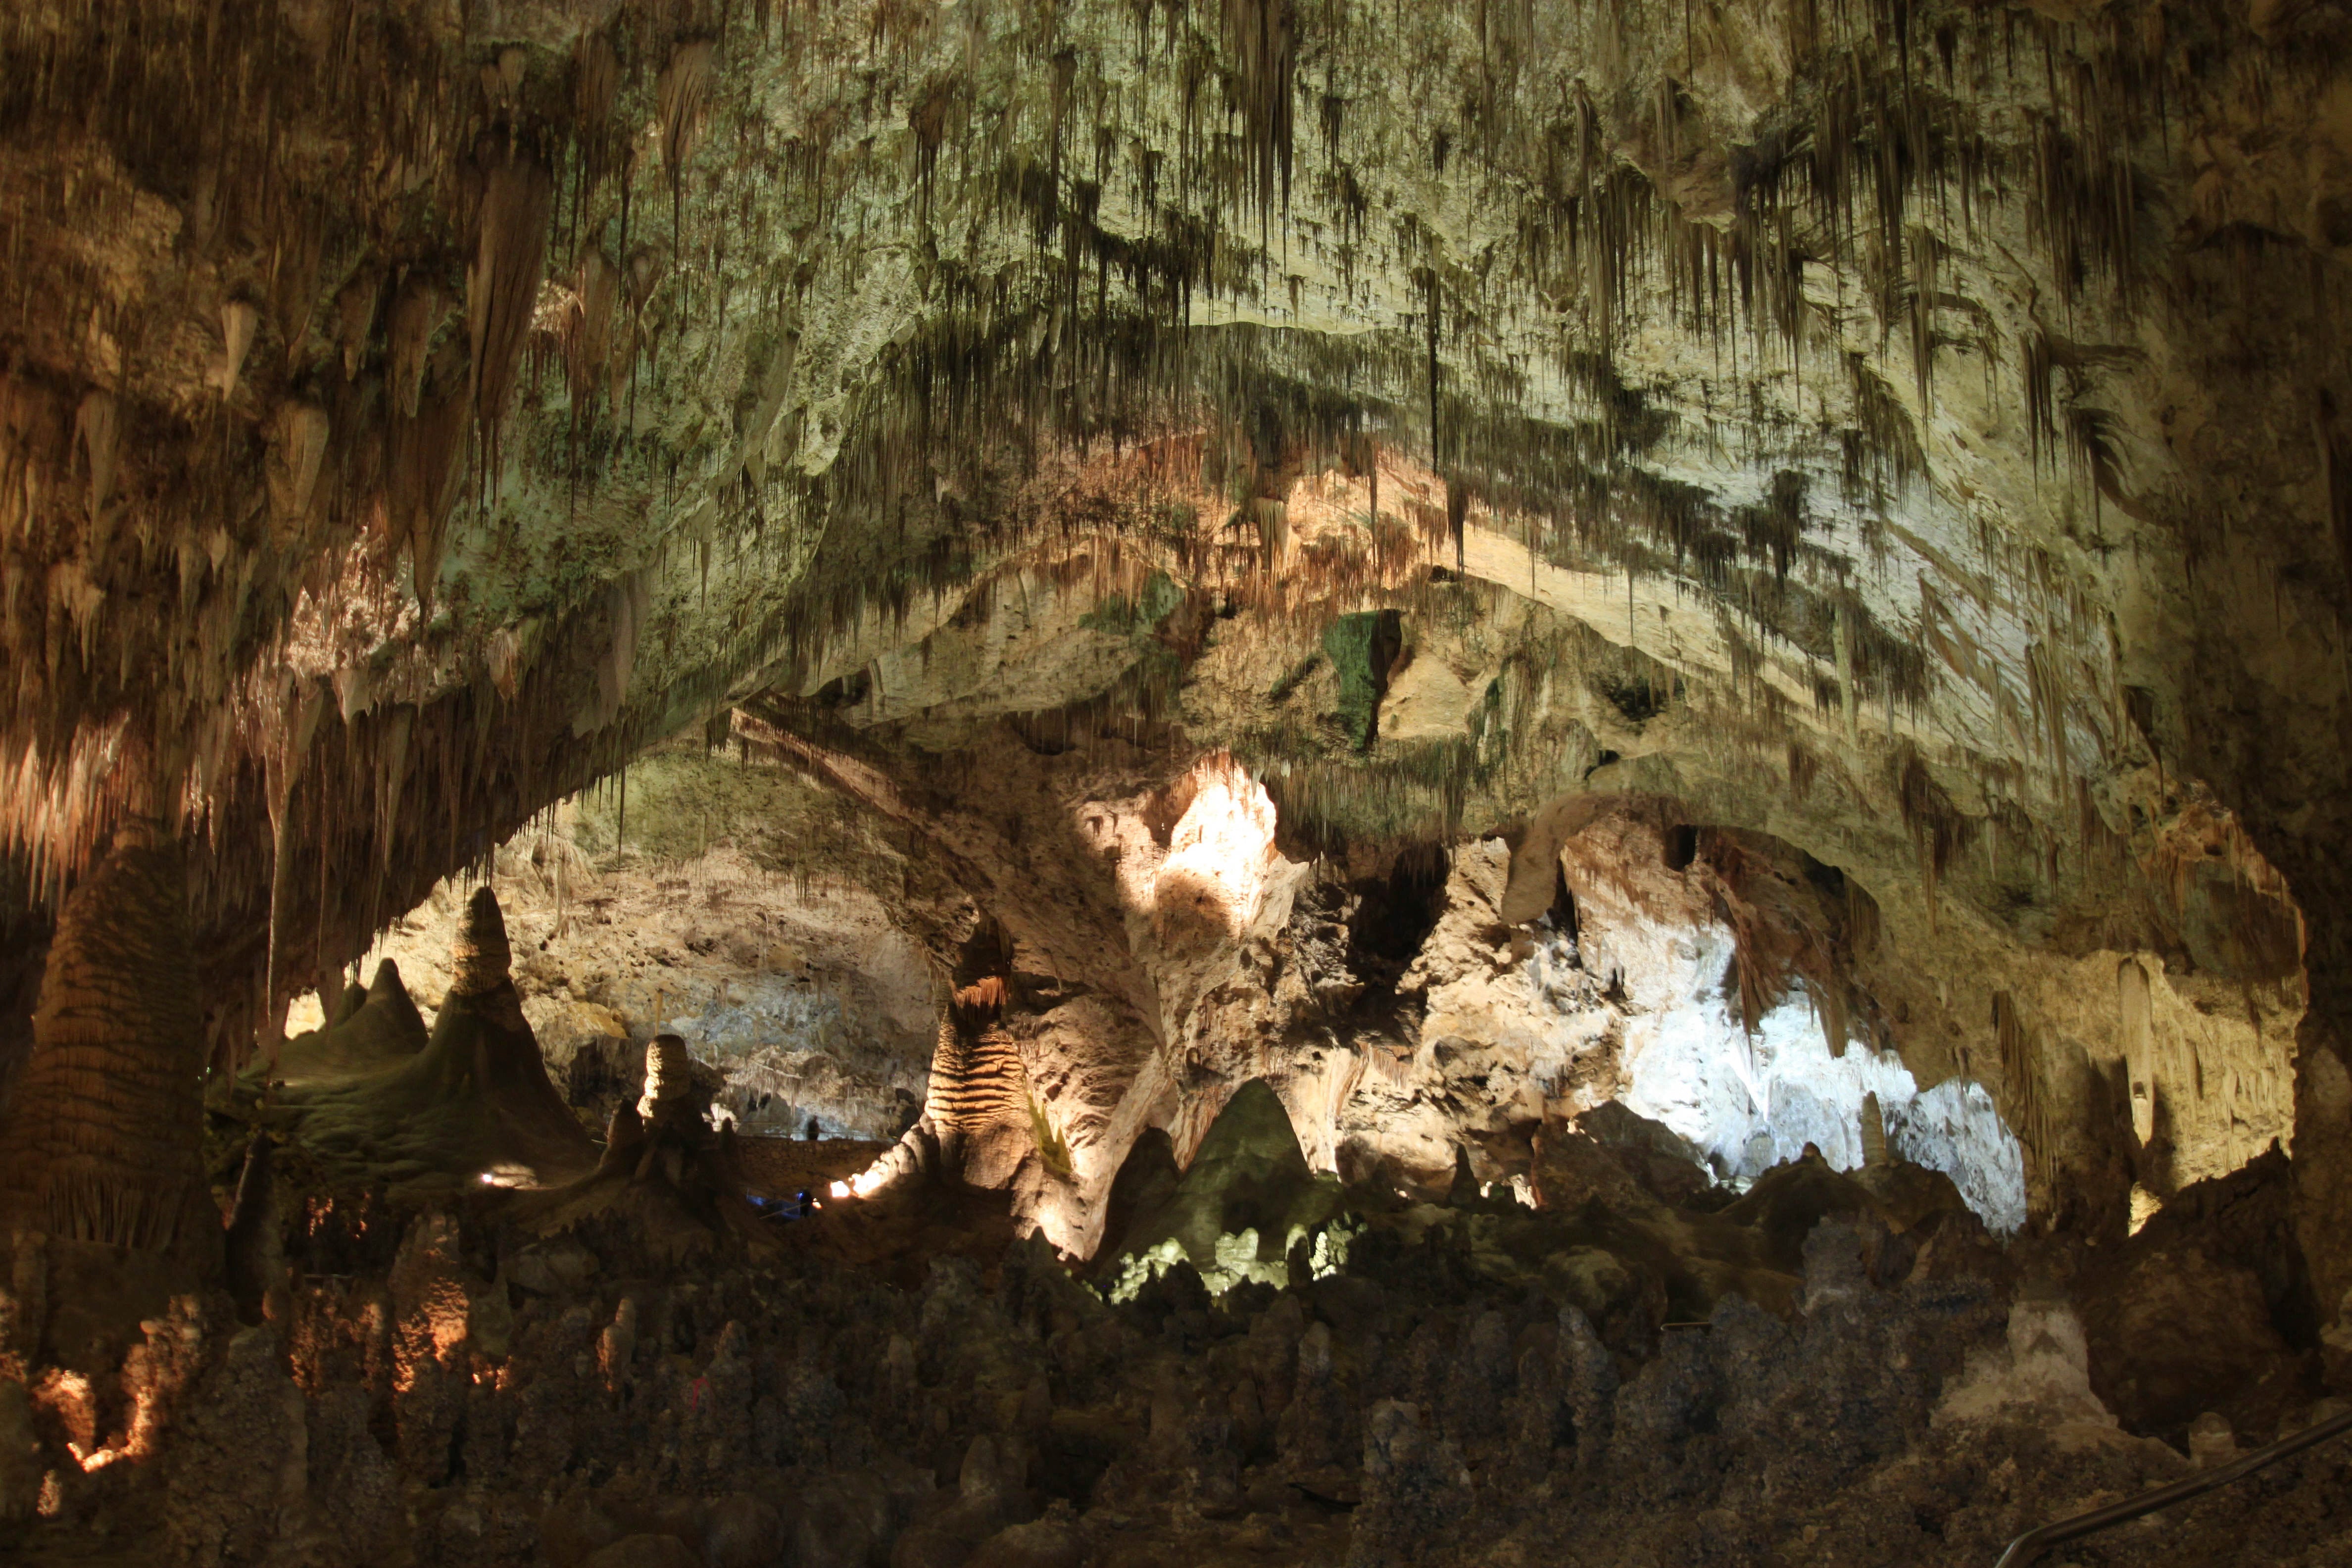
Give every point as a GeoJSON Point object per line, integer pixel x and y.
{"type": "Point", "coordinates": [803, 995]}
{"type": "Point", "coordinates": [1957, 444]}
{"type": "Point", "coordinates": [1783, 568]}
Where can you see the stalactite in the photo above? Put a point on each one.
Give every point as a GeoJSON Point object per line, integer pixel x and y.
{"type": "Point", "coordinates": [681, 96]}
{"type": "Point", "coordinates": [2026, 1103]}
{"type": "Point", "coordinates": [425, 467]}
{"type": "Point", "coordinates": [2135, 1036]}
{"type": "Point", "coordinates": [1938, 829]}
{"type": "Point", "coordinates": [288, 750]}
{"type": "Point", "coordinates": [355, 307]}
{"type": "Point", "coordinates": [1004, 372]}
{"type": "Point", "coordinates": [417, 310]}
{"type": "Point", "coordinates": [1260, 40]}
{"type": "Point", "coordinates": [596, 88]}
{"type": "Point", "coordinates": [297, 451]}
{"type": "Point", "coordinates": [239, 321]}
{"type": "Point", "coordinates": [588, 331]}
{"type": "Point", "coordinates": [502, 285]}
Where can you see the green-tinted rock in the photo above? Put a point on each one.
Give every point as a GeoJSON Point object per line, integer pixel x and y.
{"type": "Point", "coordinates": [1360, 648]}
{"type": "Point", "coordinates": [1249, 1176]}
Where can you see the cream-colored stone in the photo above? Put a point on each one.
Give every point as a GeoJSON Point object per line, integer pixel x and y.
{"type": "Point", "coordinates": [1424, 703]}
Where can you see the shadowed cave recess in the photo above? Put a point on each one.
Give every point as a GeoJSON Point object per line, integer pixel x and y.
{"type": "Point", "coordinates": [1154, 783]}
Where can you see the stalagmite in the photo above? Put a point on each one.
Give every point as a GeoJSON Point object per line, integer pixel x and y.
{"type": "Point", "coordinates": [669, 1083]}
{"type": "Point", "coordinates": [473, 1106]}
{"type": "Point", "coordinates": [977, 1105]}
{"type": "Point", "coordinates": [1874, 1134]}
{"type": "Point", "coordinates": [101, 1139]}
{"type": "Point", "coordinates": [371, 1028]}
{"type": "Point", "coordinates": [2137, 1035]}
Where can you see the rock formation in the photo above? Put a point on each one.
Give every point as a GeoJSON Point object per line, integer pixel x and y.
{"type": "Point", "coordinates": [473, 1105]}
{"type": "Point", "coordinates": [100, 1133]}
{"type": "Point", "coordinates": [1289, 779]}
{"type": "Point", "coordinates": [369, 1031]}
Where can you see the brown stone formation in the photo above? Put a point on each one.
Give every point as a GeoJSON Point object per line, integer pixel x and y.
{"type": "Point", "coordinates": [474, 1104]}
{"type": "Point", "coordinates": [481, 958]}
{"type": "Point", "coordinates": [979, 1113]}
{"type": "Point", "coordinates": [100, 1140]}
{"type": "Point", "coordinates": [669, 1094]}
{"type": "Point", "coordinates": [371, 1028]}
{"type": "Point", "coordinates": [666, 1188]}
{"type": "Point", "coordinates": [1489, 782]}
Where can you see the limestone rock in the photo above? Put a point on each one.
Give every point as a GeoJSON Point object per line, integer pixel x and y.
{"type": "Point", "coordinates": [373, 1029]}
{"type": "Point", "coordinates": [474, 1106]}
{"type": "Point", "coordinates": [1041, 1543]}
{"type": "Point", "coordinates": [20, 1458]}
{"type": "Point", "coordinates": [1426, 703]}
{"type": "Point", "coordinates": [100, 1127]}
{"type": "Point", "coordinates": [644, 1552]}
{"type": "Point", "coordinates": [1247, 1196]}
{"type": "Point", "coordinates": [2179, 1334]}
{"type": "Point", "coordinates": [1416, 1487]}
{"type": "Point", "coordinates": [238, 1464]}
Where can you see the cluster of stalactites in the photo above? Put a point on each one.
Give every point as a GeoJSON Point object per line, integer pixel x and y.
{"type": "Point", "coordinates": [1882, 145]}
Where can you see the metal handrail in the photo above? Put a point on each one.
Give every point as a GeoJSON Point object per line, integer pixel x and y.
{"type": "Point", "coordinates": [2028, 1547]}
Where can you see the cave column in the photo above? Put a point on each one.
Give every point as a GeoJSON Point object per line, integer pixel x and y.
{"type": "Point", "coordinates": [102, 1139]}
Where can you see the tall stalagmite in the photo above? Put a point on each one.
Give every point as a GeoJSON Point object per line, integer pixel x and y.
{"type": "Point", "coordinates": [102, 1142]}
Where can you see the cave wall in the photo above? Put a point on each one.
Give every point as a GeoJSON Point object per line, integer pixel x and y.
{"type": "Point", "coordinates": [2128, 1001]}
{"type": "Point", "coordinates": [726, 903]}
{"type": "Point", "coordinates": [411, 410]}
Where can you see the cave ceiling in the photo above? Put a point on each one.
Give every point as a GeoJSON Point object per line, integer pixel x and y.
{"type": "Point", "coordinates": [1914, 431]}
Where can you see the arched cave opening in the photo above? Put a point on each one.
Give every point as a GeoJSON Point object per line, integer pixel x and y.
{"type": "Point", "coordinates": [806, 1015]}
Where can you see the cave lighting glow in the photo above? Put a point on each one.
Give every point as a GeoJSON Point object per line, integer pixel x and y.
{"type": "Point", "coordinates": [1220, 851]}
{"type": "Point", "coordinates": [1748, 1103]}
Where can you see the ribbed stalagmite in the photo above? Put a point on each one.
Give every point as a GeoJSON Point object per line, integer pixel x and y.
{"type": "Point", "coordinates": [978, 1107]}
{"type": "Point", "coordinates": [669, 1095]}
{"type": "Point", "coordinates": [102, 1138]}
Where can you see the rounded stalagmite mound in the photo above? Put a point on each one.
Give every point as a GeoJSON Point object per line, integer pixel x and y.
{"type": "Point", "coordinates": [668, 1188]}
{"type": "Point", "coordinates": [474, 1106]}
{"type": "Point", "coordinates": [372, 1030]}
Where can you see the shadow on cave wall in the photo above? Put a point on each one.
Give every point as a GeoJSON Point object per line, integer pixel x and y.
{"type": "Point", "coordinates": [1393, 916]}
